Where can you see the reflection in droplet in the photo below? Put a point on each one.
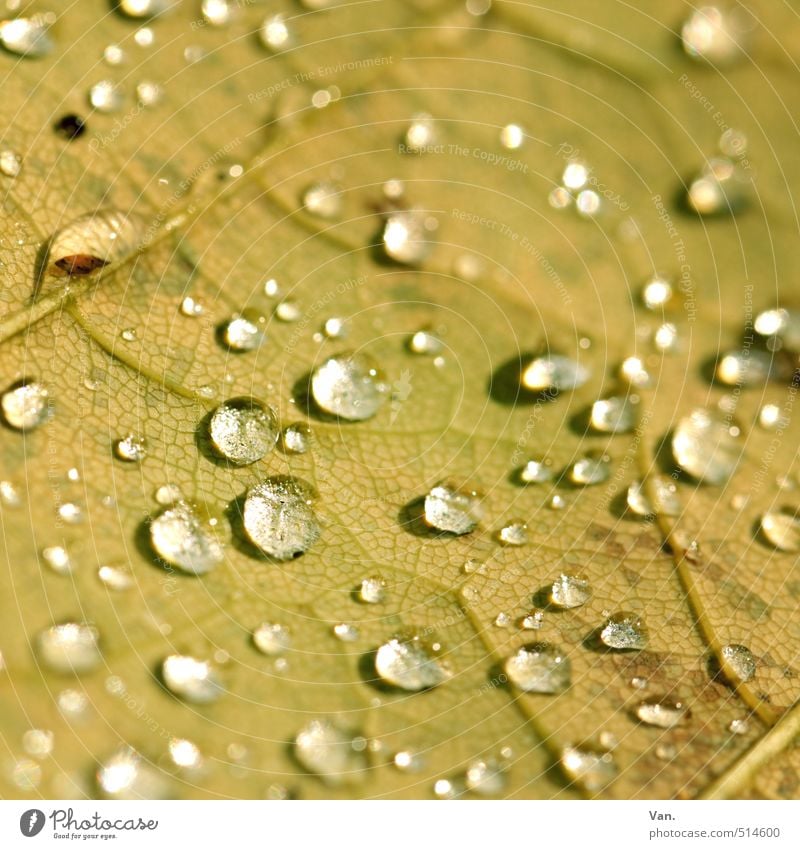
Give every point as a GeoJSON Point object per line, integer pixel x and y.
{"type": "Point", "coordinates": [512, 136]}
{"type": "Point", "coordinates": [69, 647]}
{"type": "Point", "coordinates": [539, 668]}
{"type": "Point", "coordinates": [278, 517]}
{"type": "Point", "coordinates": [706, 447]}
{"type": "Point", "coordinates": [657, 292]}
{"type": "Point", "coordinates": [613, 415]}
{"type": "Point", "coordinates": [663, 713]}
{"type": "Point", "coordinates": [408, 663]}
{"type": "Point", "coordinates": [553, 372]}
{"type": "Point", "coordinates": [186, 539]}
{"type": "Point", "coordinates": [333, 754]}
{"type": "Point", "coordinates": [720, 188]}
{"type": "Point", "coordinates": [593, 770]}
{"type": "Point", "coordinates": [243, 431]}
{"type": "Point", "coordinates": [420, 134]}
{"type": "Point", "coordinates": [452, 508]}
{"type": "Point", "coordinates": [624, 631]}
{"type": "Point", "coordinates": [740, 661]}
{"type": "Point", "coordinates": [190, 679]}
{"type": "Point", "coordinates": [350, 385]}
{"type": "Point", "coordinates": [25, 405]}
{"type": "Point", "coordinates": [570, 591]}
{"type": "Point", "coordinates": [782, 530]}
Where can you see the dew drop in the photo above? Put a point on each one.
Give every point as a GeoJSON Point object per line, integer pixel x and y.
{"type": "Point", "coordinates": [272, 639]}
{"type": "Point", "coordinates": [167, 494]}
{"type": "Point", "coordinates": [425, 342]}
{"type": "Point", "coordinates": [349, 385]}
{"type": "Point", "coordinates": [279, 519]}
{"type": "Point", "coordinates": [624, 631]}
{"type": "Point", "coordinates": [408, 663]}
{"type": "Point", "coordinates": [779, 327]}
{"type": "Point", "coordinates": [243, 333]}
{"type": "Point", "coordinates": [9, 494]}
{"type": "Point", "coordinates": [405, 238]}
{"type": "Point", "coordinates": [553, 372]}
{"type": "Point", "coordinates": [713, 35]}
{"type": "Point", "coordinates": [131, 448]}
{"type": "Point", "coordinates": [485, 778]}
{"type": "Point", "coordinates": [143, 8]}
{"type": "Point", "coordinates": [514, 533]}
{"type": "Point", "coordinates": [570, 591]}
{"type": "Point", "coordinates": [190, 679]}
{"type": "Point", "coordinates": [38, 742]}
{"type": "Point", "coordinates": [534, 621]}
{"type": "Point", "coordinates": [26, 774]}
{"type": "Point", "coordinates": [10, 163]}
{"type": "Point", "coordinates": [330, 752]}
{"type": "Point", "coordinates": [407, 761]}
{"type": "Point", "coordinates": [105, 97]}
{"type": "Point", "coordinates": [274, 33]}
{"type": "Point", "coordinates": [129, 334]}
{"type": "Point", "coordinates": [334, 328]}
{"type": "Point", "coordinates": [665, 338]}
{"type": "Point", "coordinates": [323, 200]}
{"type": "Point", "coordinates": [590, 471]}
{"type": "Point", "coordinates": [296, 438]}
{"type": "Point", "coordinates": [575, 175]}
{"type": "Point", "coordinates": [663, 713]}
{"type": "Point", "coordinates": [613, 415]}
{"type": "Point", "coordinates": [126, 775]}
{"type": "Point", "coordinates": [27, 36]}
{"type": "Point", "coordinates": [740, 661]}
{"type": "Point", "coordinates": [705, 446]}
{"type": "Point", "coordinates": [539, 668]}
{"type": "Point", "coordinates": [288, 312]}
{"type": "Point", "coordinates": [185, 538]}
{"type": "Point", "coordinates": [453, 509]}
{"type": "Point", "coordinates": [92, 241]}
{"type": "Point", "coordinates": [781, 530]}
{"type": "Point", "coordinates": [25, 405]}
{"type": "Point", "coordinates": [116, 578]}
{"type": "Point", "coordinates": [71, 513]}
{"type": "Point", "coordinates": [512, 136]}
{"type": "Point", "coordinates": [243, 431]}
{"type": "Point", "coordinates": [57, 558]}
{"type": "Point", "coordinates": [113, 55]}
{"type": "Point", "coordinates": [665, 496]}
{"type": "Point", "coordinates": [744, 369]}
{"type": "Point", "coordinates": [184, 754]}
{"type": "Point", "coordinates": [588, 203]}
{"type": "Point", "coordinates": [216, 13]}
{"type": "Point", "coordinates": [535, 471]}
{"type": "Point", "coordinates": [148, 93]}
{"type": "Point", "coordinates": [420, 134]}
{"type": "Point", "coordinates": [346, 632]}
{"type": "Point", "coordinates": [71, 647]}
{"type": "Point", "coordinates": [657, 292]}
{"type": "Point", "coordinates": [634, 372]}
{"type": "Point", "coordinates": [738, 726]}
{"type": "Point", "coordinates": [372, 590]}
{"type": "Point", "coordinates": [720, 188]}
{"type": "Point", "coordinates": [593, 770]}
{"type": "Point", "coordinates": [502, 620]}
{"type": "Point", "coordinates": [770, 417]}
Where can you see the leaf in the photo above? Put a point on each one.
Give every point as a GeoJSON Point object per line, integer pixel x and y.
{"type": "Point", "coordinates": [217, 170]}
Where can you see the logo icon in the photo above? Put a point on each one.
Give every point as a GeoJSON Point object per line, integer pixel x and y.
{"type": "Point", "coordinates": [31, 822]}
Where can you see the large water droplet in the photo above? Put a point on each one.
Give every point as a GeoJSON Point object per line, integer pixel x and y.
{"type": "Point", "coordinates": [92, 241]}
{"type": "Point", "coordinates": [590, 471]}
{"type": "Point", "coordinates": [714, 35]}
{"type": "Point", "coordinates": [279, 519]}
{"type": "Point", "coordinates": [593, 770]}
{"type": "Point", "coordinates": [271, 638]}
{"type": "Point", "coordinates": [69, 647]}
{"type": "Point", "coordinates": [408, 663]}
{"type": "Point", "coordinates": [186, 539]}
{"type": "Point", "coordinates": [27, 36]}
{"type": "Point", "coordinates": [663, 713]}
{"type": "Point", "coordinates": [665, 500]}
{"type": "Point", "coordinates": [349, 385]}
{"type": "Point", "coordinates": [454, 509]}
{"type": "Point", "coordinates": [126, 775]}
{"type": "Point", "coordinates": [405, 237]}
{"type": "Point", "coordinates": [624, 631]}
{"type": "Point", "coordinates": [570, 591]}
{"type": "Point", "coordinates": [131, 448]}
{"type": "Point", "coordinates": [331, 753]}
{"type": "Point", "coordinates": [190, 679]}
{"type": "Point", "coordinates": [244, 332]}
{"type": "Point", "coordinates": [706, 447]}
{"type": "Point", "coordinates": [740, 661]}
{"type": "Point", "coordinates": [25, 405]}
{"type": "Point", "coordinates": [782, 530]}
{"type": "Point", "coordinates": [243, 431]}
{"type": "Point", "coordinates": [539, 668]}
{"type": "Point", "coordinates": [613, 415]}
{"type": "Point", "coordinates": [553, 372]}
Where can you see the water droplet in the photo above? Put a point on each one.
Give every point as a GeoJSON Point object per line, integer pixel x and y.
{"type": "Point", "coordinates": [116, 578]}
{"type": "Point", "coordinates": [534, 621]}
{"type": "Point", "coordinates": [665, 496]}
{"type": "Point", "coordinates": [26, 774]}
{"type": "Point", "coordinates": [27, 36]}
{"type": "Point", "coordinates": [739, 726]}
{"type": "Point", "coordinates": [323, 200]}
{"type": "Point", "coordinates": [185, 538]}
{"type": "Point", "coordinates": [593, 770]}
{"type": "Point", "coordinates": [114, 55]}
{"type": "Point", "coordinates": [330, 752]}
{"type": "Point", "coordinates": [780, 328]}
{"type": "Point", "coordinates": [782, 530]}
{"type": "Point", "coordinates": [190, 307]}
{"type": "Point", "coordinates": [105, 97]}
{"type": "Point", "coordinates": [624, 631]}
{"type": "Point", "coordinates": [613, 415]}
{"type": "Point", "coordinates": [345, 632]}
{"type": "Point", "coordinates": [405, 238]}
{"type": "Point", "coordinates": [274, 33]}
{"type": "Point", "coordinates": [148, 93]}
{"type": "Point", "coordinates": [167, 494]}
{"type": "Point", "coordinates": [25, 405]}
{"type": "Point", "coordinates": [38, 742]}
{"type": "Point", "coordinates": [144, 37]}
{"type": "Point", "coordinates": [71, 513]}
{"type": "Point", "coordinates": [535, 471]}
{"type": "Point", "coordinates": [657, 292]}
{"type": "Point", "coordinates": [126, 775]}
{"type": "Point", "coordinates": [349, 385]}
{"type": "Point", "coordinates": [590, 471]}
{"type": "Point", "coordinates": [407, 761]}
{"type": "Point", "coordinates": [744, 368]}
{"type": "Point", "coordinates": [420, 134]}
{"type": "Point", "coordinates": [539, 668]}
{"type": "Point", "coordinates": [570, 591]}
{"type": "Point", "coordinates": [719, 188]}
{"type": "Point", "coordinates": [69, 647]}
{"type": "Point", "coordinates": [271, 638]}
{"type": "Point", "coordinates": [408, 663]}
{"type": "Point", "coordinates": [288, 312]}
{"type": "Point", "coordinates": [740, 661]}
{"type": "Point", "coordinates": [514, 533]}
{"type": "Point", "coordinates": [666, 751]}
{"type": "Point", "coordinates": [92, 241]}
{"type": "Point", "coordinates": [131, 448]}
{"type": "Point", "coordinates": [559, 198]}
{"type": "Point", "coordinates": [9, 494]}
{"type": "Point", "coordinates": [665, 338]}
{"type": "Point", "coordinates": [588, 203]}
{"type": "Point", "coordinates": [575, 175]}
{"type": "Point", "coordinates": [129, 334]}
{"type": "Point", "coordinates": [485, 778]}
{"type": "Point", "coordinates": [512, 136]}
{"type": "Point", "coordinates": [634, 372]}
{"type": "Point", "coordinates": [244, 332]}
{"type": "Point", "coordinates": [143, 8]}
{"type": "Point", "coordinates": [713, 35]}
{"type": "Point", "coordinates": [190, 679]}
{"type": "Point", "coordinates": [184, 754]}
{"type": "Point", "coordinates": [770, 417]}
{"type": "Point", "coordinates": [662, 712]}
{"type": "Point", "coordinates": [57, 559]}
{"type": "Point", "coordinates": [502, 620]}
{"type": "Point", "coordinates": [553, 372]}
{"type": "Point", "coordinates": [705, 446]}
{"type": "Point", "coordinates": [10, 163]}
{"type": "Point", "coordinates": [372, 590]}
{"type": "Point", "coordinates": [425, 342]}
{"type": "Point", "coordinates": [445, 789]}
{"type": "Point", "coordinates": [216, 13]}
{"type": "Point", "coordinates": [243, 431]}
{"type": "Point", "coordinates": [556, 503]}
{"type": "Point", "coordinates": [454, 509]}
{"type": "Point", "coordinates": [296, 438]}
{"type": "Point", "coordinates": [279, 519]}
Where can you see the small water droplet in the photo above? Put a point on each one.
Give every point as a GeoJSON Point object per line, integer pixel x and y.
{"type": "Point", "coordinates": [288, 312]}
{"type": "Point", "coordinates": [485, 778]}
{"type": "Point", "coordinates": [705, 446]}
{"type": "Point", "coordinates": [662, 712]}
{"type": "Point", "coordinates": [575, 175]}
{"type": "Point", "coordinates": [278, 518]}
{"type": "Point", "coordinates": [666, 338]}
{"type": "Point", "coordinates": [190, 679]}
{"type": "Point", "coordinates": [613, 415]}
{"type": "Point", "coordinates": [502, 620]}
{"type": "Point", "coordinates": [243, 431]}
{"type": "Point", "coordinates": [665, 495]}
{"type": "Point", "coordinates": [453, 509]}
{"type": "Point", "coordinates": [185, 538]}
{"type": "Point", "coordinates": [71, 513]}
{"type": "Point", "coordinates": [740, 661]}
{"type": "Point", "coordinates": [272, 639]}
{"type": "Point", "coordinates": [190, 307]}
{"type": "Point", "coordinates": [244, 332]}
{"type": "Point", "coordinates": [334, 328]}
{"type": "Point", "coordinates": [216, 13]}
{"type": "Point", "coordinates": [407, 761]}
{"type": "Point", "coordinates": [713, 35]}
{"type": "Point", "coordinates": [514, 533]}
{"type": "Point", "coordinates": [553, 372]}
{"type": "Point", "coordinates": [349, 385]}
{"type": "Point", "coordinates": [744, 368]}
{"type": "Point", "coordinates": [408, 663]}
{"type": "Point", "coordinates": [148, 93]}
{"type": "Point", "coordinates": [739, 726]}
{"type": "Point", "coordinates": [512, 136]}
{"type": "Point", "coordinates": [534, 621]}
{"type": "Point", "coordinates": [372, 590]}
{"type": "Point", "coordinates": [331, 753]}
{"type": "Point", "coordinates": [346, 632]}
{"type": "Point", "coordinates": [57, 559]}
{"type": "Point", "coordinates": [535, 471]}
{"type": "Point", "coordinates": [657, 292]}
{"type": "Point", "coordinates": [131, 448]}
{"type": "Point", "coordinates": [782, 530]}
{"type": "Point", "coordinates": [10, 163]}
{"type": "Point", "coordinates": [25, 405]}
{"type": "Point", "coordinates": [26, 774]}
{"type": "Point", "coordinates": [167, 494]}
{"type": "Point", "coordinates": [570, 591]}
{"type": "Point", "coordinates": [323, 200]}
{"type": "Point", "coordinates": [274, 33]}
{"type": "Point", "coordinates": [539, 668]}
{"type": "Point", "coordinates": [624, 631]}
{"type": "Point", "coordinates": [71, 647]}
{"type": "Point", "coordinates": [420, 134]}
{"type": "Point", "coordinates": [593, 770]}
{"type": "Point", "coordinates": [27, 36]}
{"type": "Point", "coordinates": [666, 751]}
{"type": "Point", "coordinates": [405, 237]}
{"type": "Point", "coordinates": [144, 37]}
{"type": "Point", "coordinates": [9, 494]}
{"type": "Point", "coordinates": [126, 775]}
{"type": "Point", "coordinates": [588, 203]}
{"type": "Point", "coordinates": [142, 8]}
{"type": "Point", "coordinates": [770, 417]}
{"type": "Point", "coordinates": [184, 754]}
{"type": "Point", "coordinates": [720, 188]}
{"type": "Point", "coordinates": [105, 97]}
{"type": "Point", "coordinates": [634, 372]}
{"type": "Point", "coordinates": [425, 342]}
{"type": "Point", "coordinates": [296, 438]}
{"type": "Point", "coordinates": [590, 471]}
{"type": "Point", "coordinates": [117, 578]}
{"type": "Point", "coordinates": [114, 55]}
